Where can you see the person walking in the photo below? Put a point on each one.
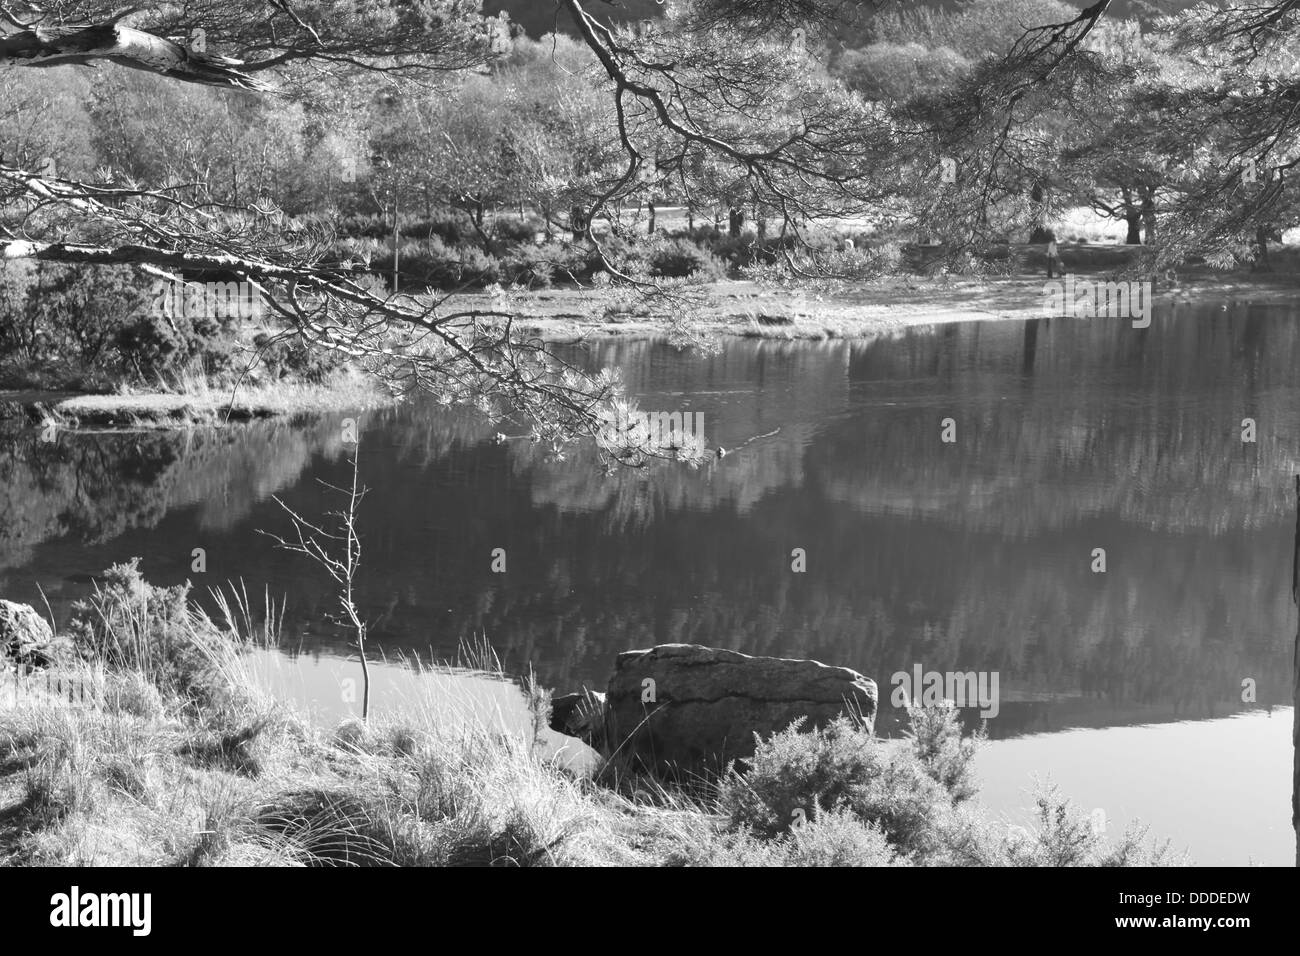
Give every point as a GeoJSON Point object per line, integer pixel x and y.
{"type": "Point", "coordinates": [1053, 256]}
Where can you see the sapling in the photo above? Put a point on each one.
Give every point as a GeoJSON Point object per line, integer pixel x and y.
{"type": "Point", "coordinates": [319, 544]}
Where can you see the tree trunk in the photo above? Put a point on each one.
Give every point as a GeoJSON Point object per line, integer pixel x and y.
{"type": "Point", "coordinates": [1132, 218]}
{"type": "Point", "coordinates": [650, 209]}
{"type": "Point", "coordinates": [735, 222]}
{"type": "Point", "coordinates": [1134, 222]}
{"type": "Point", "coordinates": [397, 239]}
{"type": "Point", "coordinates": [365, 674]}
{"type": "Point", "coordinates": [1261, 257]}
{"type": "Point", "coordinates": [477, 220]}
{"type": "Point", "coordinates": [1149, 213]}
{"type": "Point", "coordinates": [1037, 197]}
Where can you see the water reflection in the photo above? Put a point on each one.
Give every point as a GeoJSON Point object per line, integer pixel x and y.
{"type": "Point", "coordinates": [976, 555]}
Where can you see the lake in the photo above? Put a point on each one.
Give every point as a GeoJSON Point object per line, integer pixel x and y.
{"type": "Point", "coordinates": [1070, 438]}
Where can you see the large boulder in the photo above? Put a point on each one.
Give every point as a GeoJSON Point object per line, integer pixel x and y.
{"type": "Point", "coordinates": [686, 708]}
{"type": "Point", "coordinates": [25, 636]}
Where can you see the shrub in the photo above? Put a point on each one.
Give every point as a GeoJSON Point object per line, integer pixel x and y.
{"type": "Point", "coordinates": [1063, 835]}
{"type": "Point", "coordinates": [681, 259]}
{"type": "Point", "coordinates": [18, 332]}
{"type": "Point", "coordinates": [508, 229]}
{"type": "Point", "coordinates": [285, 356]}
{"type": "Point", "coordinates": [947, 756]}
{"type": "Point", "coordinates": [833, 838]}
{"type": "Point", "coordinates": [431, 263]}
{"type": "Point", "coordinates": [91, 326]}
{"type": "Point", "coordinates": [477, 268]}
{"type": "Point", "coordinates": [453, 228]}
{"type": "Point", "coordinates": [838, 767]}
{"type": "Point", "coordinates": [551, 262]}
{"type": "Point", "coordinates": [742, 250]}
{"type": "Point", "coordinates": [129, 624]}
{"type": "Point", "coordinates": [367, 226]}
{"type": "Point", "coordinates": [531, 266]}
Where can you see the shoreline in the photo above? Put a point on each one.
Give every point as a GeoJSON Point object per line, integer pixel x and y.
{"type": "Point", "coordinates": [748, 309]}
{"type": "Point", "coordinates": [738, 308]}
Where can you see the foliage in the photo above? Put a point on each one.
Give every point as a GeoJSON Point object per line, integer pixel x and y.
{"type": "Point", "coordinates": [129, 625]}
{"type": "Point", "coordinates": [95, 325]}
{"type": "Point", "coordinates": [795, 775]}
{"type": "Point", "coordinates": [682, 259]}
{"type": "Point", "coordinates": [936, 736]}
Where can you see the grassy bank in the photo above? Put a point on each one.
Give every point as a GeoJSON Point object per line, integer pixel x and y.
{"type": "Point", "coordinates": [158, 745]}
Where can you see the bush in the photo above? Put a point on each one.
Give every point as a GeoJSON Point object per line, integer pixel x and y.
{"type": "Point", "coordinates": [131, 625]}
{"type": "Point", "coordinates": [682, 259]}
{"type": "Point", "coordinates": [364, 226]}
{"type": "Point", "coordinates": [477, 268]}
{"type": "Point", "coordinates": [795, 775]}
{"type": "Point", "coordinates": [552, 262]}
{"type": "Point", "coordinates": [742, 250]}
{"type": "Point", "coordinates": [517, 231]}
{"type": "Point", "coordinates": [947, 756]}
{"type": "Point", "coordinates": [833, 838]}
{"type": "Point", "coordinates": [533, 266]}
{"type": "Point", "coordinates": [431, 263]}
{"type": "Point", "coordinates": [292, 357]}
{"type": "Point", "coordinates": [1063, 835]}
{"type": "Point", "coordinates": [452, 228]}
{"type": "Point", "coordinates": [93, 326]}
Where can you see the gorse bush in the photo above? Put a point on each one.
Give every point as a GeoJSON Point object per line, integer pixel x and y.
{"type": "Point", "coordinates": [131, 625]}
{"type": "Point", "coordinates": [291, 357]}
{"type": "Point", "coordinates": [97, 326]}
{"type": "Point", "coordinates": [795, 776]}
{"type": "Point", "coordinates": [834, 838]}
{"type": "Point", "coordinates": [946, 755]}
{"type": "Point", "coordinates": [682, 259]}
{"type": "Point", "coordinates": [509, 229]}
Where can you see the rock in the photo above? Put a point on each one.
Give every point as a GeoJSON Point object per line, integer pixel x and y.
{"type": "Point", "coordinates": [580, 715]}
{"type": "Point", "coordinates": [705, 704]}
{"type": "Point", "coordinates": [25, 636]}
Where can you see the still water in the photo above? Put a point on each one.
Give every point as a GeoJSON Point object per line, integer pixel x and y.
{"type": "Point", "coordinates": [1125, 687]}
